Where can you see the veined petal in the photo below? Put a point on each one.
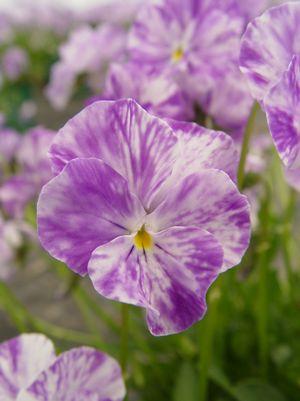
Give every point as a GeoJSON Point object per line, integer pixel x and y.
{"type": "Point", "coordinates": [268, 45]}
{"type": "Point", "coordinates": [22, 359]}
{"type": "Point", "coordinates": [81, 374]}
{"type": "Point", "coordinates": [211, 201]}
{"type": "Point", "coordinates": [139, 146]}
{"type": "Point", "coordinates": [183, 265]}
{"type": "Point", "coordinates": [282, 106]}
{"type": "Point", "coordinates": [119, 272]}
{"type": "Point", "coordinates": [202, 148]}
{"type": "Point", "coordinates": [170, 280]}
{"type": "Point", "coordinates": [86, 205]}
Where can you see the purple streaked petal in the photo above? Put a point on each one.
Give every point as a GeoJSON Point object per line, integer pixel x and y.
{"type": "Point", "coordinates": [81, 374]}
{"type": "Point", "coordinates": [183, 265]}
{"type": "Point", "coordinates": [86, 205]}
{"type": "Point", "coordinates": [22, 359]}
{"type": "Point", "coordinates": [170, 280]}
{"type": "Point", "coordinates": [282, 106]}
{"type": "Point", "coordinates": [202, 148]}
{"type": "Point", "coordinates": [157, 94]}
{"type": "Point", "coordinates": [211, 201]}
{"type": "Point", "coordinates": [268, 45]}
{"type": "Point", "coordinates": [139, 146]}
{"type": "Point", "coordinates": [293, 178]}
{"type": "Point", "coordinates": [119, 272]}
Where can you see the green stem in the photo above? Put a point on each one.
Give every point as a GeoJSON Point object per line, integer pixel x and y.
{"type": "Point", "coordinates": [124, 337]}
{"type": "Point", "coordinates": [262, 268]}
{"type": "Point", "coordinates": [286, 242]}
{"type": "Point", "coordinates": [25, 322]}
{"type": "Point", "coordinates": [245, 145]}
{"type": "Point", "coordinates": [206, 335]}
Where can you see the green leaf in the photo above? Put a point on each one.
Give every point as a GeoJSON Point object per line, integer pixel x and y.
{"type": "Point", "coordinates": [254, 390]}
{"type": "Point", "coordinates": [186, 384]}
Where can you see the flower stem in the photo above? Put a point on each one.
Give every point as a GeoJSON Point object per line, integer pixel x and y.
{"type": "Point", "coordinates": [245, 145]}
{"type": "Point", "coordinates": [124, 337]}
{"type": "Point", "coordinates": [262, 268]}
{"type": "Point", "coordinates": [206, 335]}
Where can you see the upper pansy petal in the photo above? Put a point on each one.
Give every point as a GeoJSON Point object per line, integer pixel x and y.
{"type": "Point", "coordinates": [22, 359]}
{"type": "Point", "coordinates": [282, 106]}
{"type": "Point", "coordinates": [202, 148]}
{"type": "Point", "coordinates": [136, 144]}
{"type": "Point", "coordinates": [268, 45]}
{"type": "Point", "coordinates": [86, 205]}
{"type": "Point", "coordinates": [81, 374]}
{"type": "Point", "coordinates": [211, 201]}
{"type": "Point", "coordinates": [182, 266]}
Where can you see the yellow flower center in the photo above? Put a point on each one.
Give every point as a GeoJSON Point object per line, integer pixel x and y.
{"type": "Point", "coordinates": [177, 54]}
{"type": "Point", "coordinates": [143, 240]}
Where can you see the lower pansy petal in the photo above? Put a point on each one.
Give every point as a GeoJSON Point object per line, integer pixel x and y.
{"type": "Point", "coordinates": [211, 201]}
{"type": "Point", "coordinates": [86, 205]}
{"type": "Point", "coordinates": [119, 272]}
{"type": "Point", "coordinates": [184, 263]}
{"type": "Point", "coordinates": [82, 374]}
{"type": "Point", "coordinates": [22, 359]}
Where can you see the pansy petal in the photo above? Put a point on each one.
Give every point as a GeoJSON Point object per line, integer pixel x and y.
{"type": "Point", "coordinates": [183, 265]}
{"type": "Point", "coordinates": [86, 205]}
{"type": "Point", "coordinates": [282, 106]}
{"type": "Point", "coordinates": [268, 45]}
{"type": "Point", "coordinates": [136, 144]}
{"type": "Point", "coordinates": [202, 148]}
{"type": "Point", "coordinates": [81, 374]}
{"type": "Point", "coordinates": [118, 272]}
{"type": "Point", "coordinates": [22, 359]}
{"type": "Point", "coordinates": [211, 201]}
{"type": "Point", "coordinates": [170, 280]}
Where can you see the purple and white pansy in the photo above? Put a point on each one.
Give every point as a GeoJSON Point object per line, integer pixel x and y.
{"type": "Point", "coordinates": [35, 171]}
{"type": "Point", "coordinates": [270, 60]}
{"type": "Point", "coordinates": [30, 371]}
{"type": "Point", "coordinates": [146, 207]}
{"type": "Point", "coordinates": [165, 38]}
{"type": "Point", "coordinates": [268, 46]}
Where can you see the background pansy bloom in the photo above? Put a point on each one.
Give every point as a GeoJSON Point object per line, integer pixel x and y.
{"type": "Point", "coordinates": [268, 46]}
{"type": "Point", "coordinates": [35, 170]}
{"type": "Point", "coordinates": [145, 208]}
{"type": "Point", "coordinates": [30, 371]}
{"type": "Point", "coordinates": [165, 37]}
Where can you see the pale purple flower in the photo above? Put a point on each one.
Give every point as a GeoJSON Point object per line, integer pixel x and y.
{"type": "Point", "coordinates": [146, 208]}
{"type": "Point", "coordinates": [9, 143]}
{"type": "Point", "coordinates": [195, 43]}
{"type": "Point", "coordinates": [35, 171]}
{"type": "Point", "coordinates": [158, 94]}
{"type": "Point", "coordinates": [14, 62]}
{"type": "Point", "coordinates": [114, 11]}
{"type": "Point", "coordinates": [282, 105]}
{"type": "Point", "coordinates": [30, 371]}
{"type": "Point", "coordinates": [268, 46]}
{"type": "Point", "coordinates": [229, 103]}
{"type": "Point", "coordinates": [87, 51]}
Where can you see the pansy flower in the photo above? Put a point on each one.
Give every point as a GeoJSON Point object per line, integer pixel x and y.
{"type": "Point", "coordinates": [146, 208]}
{"type": "Point", "coordinates": [268, 46]}
{"type": "Point", "coordinates": [35, 171]}
{"type": "Point", "coordinates": [30, 371]}
{"type": "Point", "coordinates": [195, 44]}
{"type": "Point", "coordinates": [87, 51]}
{"type": "Point", "coordinates": [158, 94]}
